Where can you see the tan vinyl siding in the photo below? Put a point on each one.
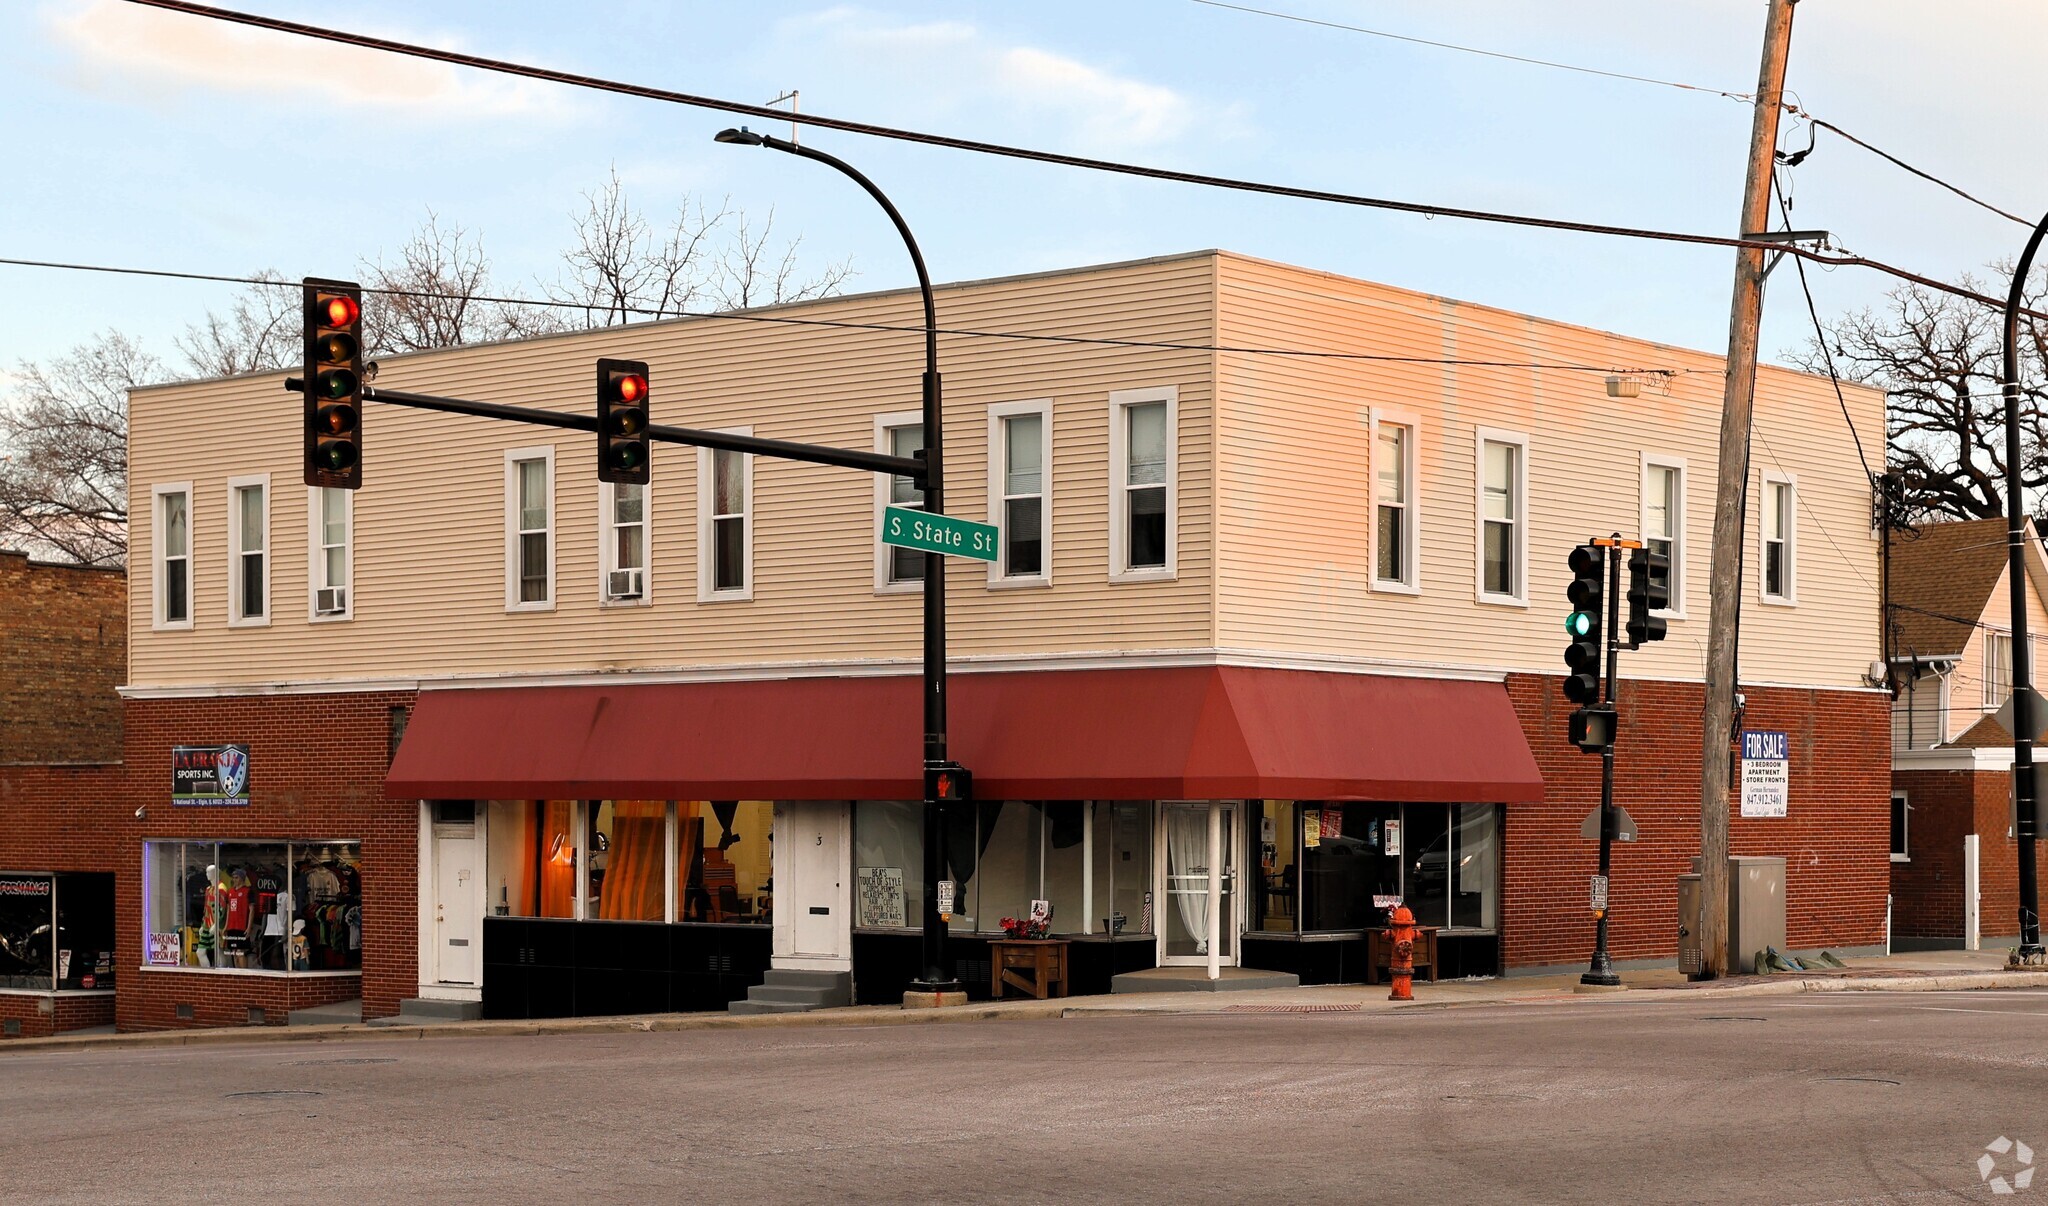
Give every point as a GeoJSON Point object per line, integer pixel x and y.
{"type": "Point", "coordinates": [1967, 703]}
{"type": "Point", "coordinates": [429, 543]}
{"type": "Point", "coordinates": [1294, 570]}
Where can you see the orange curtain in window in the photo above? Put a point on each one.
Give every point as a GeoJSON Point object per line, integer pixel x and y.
{"type": "Point", "coordinates": [633, 873]}
{"type": "Point", "coordinates": [558, 853]}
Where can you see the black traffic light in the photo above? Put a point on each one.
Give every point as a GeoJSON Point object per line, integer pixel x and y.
{"type": "Point", "coordinates": [1649, 589]}
{"type": "Point", "coordinates": [1592, 728]}
{"type": "Point", "coordinates": [948, 783]}
{"type": "Point", "coordinates": [622, 448]}
{"type": "Point", "coordinates": [334, 383]}
{"type": "Point", "coordinates": [1582, 685]}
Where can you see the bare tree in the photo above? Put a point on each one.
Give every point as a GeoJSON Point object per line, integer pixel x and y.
{"type": "Point", "coordinates": [64, 479]}
{"type": "Point", "coordinates": [1939, 358]}
{"type": "Point", "coordinates": [753, 273]}
{"type": "Point", "coordinates": [261, 331]}
{"type": "Point", "coordinates": [439, 294]}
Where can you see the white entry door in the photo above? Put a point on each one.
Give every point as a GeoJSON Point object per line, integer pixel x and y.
{"type": "Point", "coordinates": [458, 893]}
{"type": "Point", "coordinates": [813, 904]}
{"type": "Point", "coordinates": [1184, 859]}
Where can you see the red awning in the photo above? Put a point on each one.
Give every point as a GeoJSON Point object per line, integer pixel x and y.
{"type": "Point", "coordinates": [1194, 733]}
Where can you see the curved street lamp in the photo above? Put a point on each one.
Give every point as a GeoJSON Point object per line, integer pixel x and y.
{"type": "Point", "coordinates": [936, 978]}
{"type": "Point", "coordinates": [2025, 725]}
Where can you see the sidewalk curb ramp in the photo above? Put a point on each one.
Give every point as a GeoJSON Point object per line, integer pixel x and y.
{"type": "Point", "coordinates": [986, 1011]}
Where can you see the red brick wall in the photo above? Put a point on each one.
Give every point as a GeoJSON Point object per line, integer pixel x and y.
{"type": "Point", "coordinates": [1836, 840]}
{"type": "Point", "coordinates": [44, 1015]}
{"type": "Point", "coordinates": [1928, 891]}
{"type": "Point", "coordinates": [64, 629]}
{"type": "Point", "coordinates": [316, 773]}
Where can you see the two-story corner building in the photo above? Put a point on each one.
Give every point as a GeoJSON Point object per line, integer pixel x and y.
{"type": "Point", "coordinates": [1955, 857]}
{"type": "Point", "coordinates": [1279, 549]}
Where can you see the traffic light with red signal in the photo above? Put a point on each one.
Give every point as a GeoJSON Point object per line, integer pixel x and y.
{"type": "Point", "coordinates": [622, 444]}
{"type": "Point", "coordinates": [334, 383]}
{"type": "Point", "coordinates": [948, 782]}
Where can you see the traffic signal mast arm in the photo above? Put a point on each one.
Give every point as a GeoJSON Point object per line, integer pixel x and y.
{"type": "Point", "coordinates": [820, 454]}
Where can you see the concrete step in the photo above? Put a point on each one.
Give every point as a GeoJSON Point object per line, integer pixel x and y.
{"type": "Point", "coordinates": [1196, 979]}
{"type": "Point", "coordinates": [336, 1014]}
{"type": "Point", "coordinates": [420, 1011]}
{"type": "Point", "coordinates": [790, 994]}
{"type": "Point", "coordinates": [788, 977]}
{"type": "Point", "coordinates": [752, 1006]}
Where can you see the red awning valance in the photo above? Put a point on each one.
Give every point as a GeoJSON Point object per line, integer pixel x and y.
{"type": "Point", "coordinates": [1193, 733]}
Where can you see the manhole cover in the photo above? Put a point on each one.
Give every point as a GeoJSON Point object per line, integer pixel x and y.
{"type": "Point", "coordinates": [1292, 1008]}
{"type": "Point", "coordinates": [277, 1093]}
{"type": "Point", "coordinates": [335, 1063]}
{"type": "Point", "coordinates": [1730, 1018]}
{"type": "Point", "coordinates": [1863, 1080]}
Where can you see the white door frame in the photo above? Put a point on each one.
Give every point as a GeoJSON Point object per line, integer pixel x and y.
{"type": "Point", "coordinates": [792, 894]}
{"type": "Point", "coordinates": [1231, 924]}
{"type": "Point", "coordinates": [430, 987]}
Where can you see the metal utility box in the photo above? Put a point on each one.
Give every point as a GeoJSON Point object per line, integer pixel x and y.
{"type": "Point", "coordinates": [1756, 907]}
{"type": "Point", "coordinates": [1689, 924]}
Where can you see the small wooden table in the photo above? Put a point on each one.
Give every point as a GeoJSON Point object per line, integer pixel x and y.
{"type": "Point", "coordinates": [1034, 965]}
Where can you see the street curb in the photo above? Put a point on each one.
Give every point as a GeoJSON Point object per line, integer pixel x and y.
{"type": "Point", "coordinates": [1939, 982]}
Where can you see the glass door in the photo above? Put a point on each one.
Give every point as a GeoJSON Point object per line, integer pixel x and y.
{"type": "Point", "coordinates": [1185, 857]}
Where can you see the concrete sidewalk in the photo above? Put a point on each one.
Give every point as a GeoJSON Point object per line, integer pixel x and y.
{"type": "Point", "coordinates": [1932, 971]}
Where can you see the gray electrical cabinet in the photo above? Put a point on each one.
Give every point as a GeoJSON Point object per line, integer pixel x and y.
{"type": "Point", "coordinates": [1756, 908]}
{"type": "Point", "coordinates": [1689, 924]}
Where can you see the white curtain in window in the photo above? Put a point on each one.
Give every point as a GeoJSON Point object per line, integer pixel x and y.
{"type": "Point", "coordinates": [1187, 870]}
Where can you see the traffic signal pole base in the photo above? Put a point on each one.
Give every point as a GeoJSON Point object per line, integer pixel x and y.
{"type": "Point", "coordinates": [1601, 976]}
{"type": "Point", "coordinates": [1587, 984]}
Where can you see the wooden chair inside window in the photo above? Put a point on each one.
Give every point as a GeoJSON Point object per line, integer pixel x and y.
{"type": "Point", "coordinates": [721, 887]}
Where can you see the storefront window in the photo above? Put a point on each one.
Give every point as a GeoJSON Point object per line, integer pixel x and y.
{"type": "Point", "coordinates": [628, 863]}
{"type": "Point", "coordinates": [254, 906]}
{"type": "Point", "coordinates": [724, 861]}
{"type": "Point", "coordinates": [1090, 860]}
{"type": "Point", "coordinates": [27, 922]}
{"type": "Point", "coordinates": [57, 931]}
{"type": "Point", "coordinates": [1277, 888]}
{"type": "Point", "coordinates": [1350, 853]}
{"type": "Point", "coordinates": [530, 863]}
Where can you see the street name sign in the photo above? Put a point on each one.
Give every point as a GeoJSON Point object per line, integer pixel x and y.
{"type": "Point", "coordinates": [1766, 774]}
{"type": "Point", "coordinates": [910, 528]}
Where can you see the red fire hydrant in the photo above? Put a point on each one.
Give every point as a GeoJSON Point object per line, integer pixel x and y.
{"type": "Point", "coordinates": [1401, 928]}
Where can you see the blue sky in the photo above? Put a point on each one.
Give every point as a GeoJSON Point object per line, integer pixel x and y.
{"type": "Point", "coordinates": [141, 138]}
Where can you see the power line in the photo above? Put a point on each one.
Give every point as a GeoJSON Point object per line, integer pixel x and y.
{"type": "Point", "coordinates": [845, 324]}
{"type": "Point", "coordinates": [1820, 337]}
{"type": "Point", "coordinates": [552, 75]}
{"type": "Point", "coordinates": [1491, 54]}
{"type": "Point", "coordinates": [1900, 163]}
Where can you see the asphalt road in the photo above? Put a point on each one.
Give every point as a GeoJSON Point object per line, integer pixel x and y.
{"type": "Point", "coordinates": [1845, 1098]}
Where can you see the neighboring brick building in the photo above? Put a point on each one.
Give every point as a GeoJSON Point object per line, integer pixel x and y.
{"type": "Point", "coordinates": [63, 654]}
{"type": "Point", "coordinates": [486, 734]}
{"type": "Point", "coordinates": [1950, 636]}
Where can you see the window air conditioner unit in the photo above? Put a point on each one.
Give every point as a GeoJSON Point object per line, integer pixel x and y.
{"type": "Point", "coordinates": [331, 600]}
{"type": "Point", "coordinates": [623, 584]}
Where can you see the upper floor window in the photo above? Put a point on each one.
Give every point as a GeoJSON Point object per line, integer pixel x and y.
{"type": "Point", "coordinates": [1394, 509]}
{"type": "Point", "coordinates": [530, 529]}
{"type": "Point", "coordinates": [725, 526]}
{"type": "Point", "coordinates": [1664, 521]}
{"type": "Point", "coordinates": [1143, 435]}
{"type": "Point", "coordinates": [622, 528]}
{"type": "Point", "coordinates": [1503, 527]}
{"type": "Point", "coordinates": [332, 516]}
{"type": "Point", "coordinates": [1780, 543]}
{"type": "Point", "coordinates": [248, 549]}
{"type": "Point", "coordinates": [173, 555]}
{"type": "Point", "coordinates": [899, 434]}
{"type": "Point", "coordinates": [1020, 492]}
{"type": "Point", "coordinates": [1901, 851]}
{"type": "Point", "coordinates": [1997, 669]}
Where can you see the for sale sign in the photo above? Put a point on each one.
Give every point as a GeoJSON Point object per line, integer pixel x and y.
{"type": "Point", "coordinates": [215, 775]}
{"type": "Point", "coordinates": [1766, 774]}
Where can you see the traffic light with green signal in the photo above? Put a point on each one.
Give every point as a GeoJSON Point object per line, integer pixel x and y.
{"type": "Point", "coordinates": [334, 383]}
{"type": "Point", "coordinates": [1649, 589]}
{"type": "Point", "coordinates": [622, 445]}
{"type": "Point", "coordinates": [1583, 625]}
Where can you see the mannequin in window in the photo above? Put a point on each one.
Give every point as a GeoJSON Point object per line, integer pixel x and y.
{"type": "Point", "coordinates": [208, 941]}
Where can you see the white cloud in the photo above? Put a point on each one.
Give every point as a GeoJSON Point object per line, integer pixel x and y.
{"type": "Point", "coordinates": [158, 48]}
{"type": "Point", "coordinates": [953, 65]}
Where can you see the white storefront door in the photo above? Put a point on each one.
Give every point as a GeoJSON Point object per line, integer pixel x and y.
{"type": "Point", "coordinates": [1184, 859]}
{"type": "Point", "coordinates": [456, 937]}
{"type": "Point", "coordinates": [813, 885]}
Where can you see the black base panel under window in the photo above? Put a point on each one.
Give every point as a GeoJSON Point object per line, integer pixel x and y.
{"type": "Point", "coordinates": [1468, 955]}
{"type": "Point", "coordinates": [538, 968]}
{"type": "Point", "coordinates": [1335, 962]}
{"type": "Point", "coordinates": [885, 964]}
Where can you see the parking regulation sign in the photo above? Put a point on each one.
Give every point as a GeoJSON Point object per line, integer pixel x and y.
{"type": "Point", "coordinates": [1766, 774]}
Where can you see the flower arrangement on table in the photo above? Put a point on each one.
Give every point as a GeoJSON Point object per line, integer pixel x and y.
{"type": "Point", "coordinates": [1027, 927]}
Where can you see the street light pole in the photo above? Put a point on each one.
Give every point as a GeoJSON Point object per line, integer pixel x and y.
{"type": "Point", "coordinates": [2024, 722]}
{"type": "Point", "coordinates": [936, 979]}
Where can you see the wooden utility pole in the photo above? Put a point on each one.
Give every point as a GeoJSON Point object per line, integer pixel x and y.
{"type": "Point", "coordinates": [1725, 589]}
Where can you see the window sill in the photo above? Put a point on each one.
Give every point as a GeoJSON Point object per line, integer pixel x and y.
{"type": "Point", "coordinates": [725, 596]}
{"type": "Point", "coordinates": [1390, 587]}
{"type": "Point", "coordinates": [1902, 858]}
{"type": "Point", "coordinates": [901, 588]}
{"type": "Point", "coordinates": [1143, 575]}
{"type": "Point", "coordinates": [255, 972]}
{"type": "Point", "coordinates": [517, 608]}
{"type": "Point", "coordinates": [1778, 600]}
{"type": "Point", "coordinates": [624, 604]}
{"type": "Point", "coordinates": [250, 622]}
{"type": "Point", "coordinates": [171, 626]}
{"type": "Point", "coordinates": [1038, 583]}
{"type": "Point", "coordinates": [1501, 600]}
{"type": "Point", "coordinates": [334, 617]}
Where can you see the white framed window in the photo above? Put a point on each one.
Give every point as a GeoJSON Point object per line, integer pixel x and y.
{"type": "Point", "coordinates": [1501, 534]}
{"type": "Point", "coordinates": [897, 570]}
{"type": "Point", "coordinates": [1902, 851]}
{"type": "Point", "coordinates": [725, 523]}
{"type": "Point", "coordinates": [1395, 455]}
{"type": "Point", "coordinates": [171, 581]}
{"type": "Point", "coordinates": [623, 540]}
{"type": "Point", "coordinates": [1997, 669]}
{"type": "Point", "coordinates": [1020, 492]}
{"type": "Point", "coordinates": [330, 553]}
{"type": "Point", "coordinates": [1664, 521]}
{"type": "Point", "coordinates": [1144, 435]}
{"type": "Point", "coordinates": [530, 528]}
{"type": "Point", "coordinates": [1778, 552]}
{"type": "Point", "coordinates": [249, 551]}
